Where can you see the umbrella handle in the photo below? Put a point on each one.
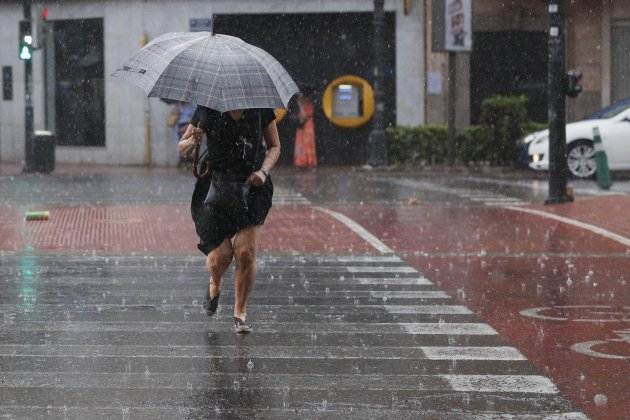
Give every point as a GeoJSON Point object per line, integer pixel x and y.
{"type": "Point", "coordinates": [206, 171]}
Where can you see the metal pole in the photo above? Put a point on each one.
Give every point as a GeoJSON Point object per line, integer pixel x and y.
{"type": "Point", "coordinates": [557, 106]}
{"type": "Point", "coordinates": [377, 143]}
{"type": "Point", "coordinates": [452, 98]}
{"type": "Point", "coordinates": [28, 104]}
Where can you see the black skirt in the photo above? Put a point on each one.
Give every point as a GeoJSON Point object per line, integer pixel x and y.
{"type": "Point", "coordinates": [215, 225]}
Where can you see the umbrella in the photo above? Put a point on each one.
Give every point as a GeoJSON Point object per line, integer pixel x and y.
{"type": "Point", "coordinates": [220, 72]}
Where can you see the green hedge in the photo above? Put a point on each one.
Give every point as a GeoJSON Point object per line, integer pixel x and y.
{"type": "Point", "coordinates": [503, 121]}
{"type": "Point", "coordinates": [506, 117]}
{"type": "Point", "coordinates": [425, 144]}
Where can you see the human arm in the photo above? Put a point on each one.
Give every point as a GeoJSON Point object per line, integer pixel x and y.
{"type": "Point", "coordinates": [272, 139]}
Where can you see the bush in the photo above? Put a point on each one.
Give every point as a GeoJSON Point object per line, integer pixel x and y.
{"type": "Point", "coordinates": [475, 144]}
{"type": "Point", "coordinates": [504, 120]}
{"type": "Point", "coordinates": [417, 145]}
{"type": "Point", "coordinates": [531, 126]}
{"type": "Point", "coordinates": [506, 117]}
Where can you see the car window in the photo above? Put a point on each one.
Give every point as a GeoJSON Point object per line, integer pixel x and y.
{"type": "Point", "coordinates": [611, 110]}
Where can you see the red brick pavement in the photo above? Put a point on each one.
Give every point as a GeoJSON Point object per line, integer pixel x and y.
{"type": "Point", "coordinates": [168, 229]}
{"type": "Point", "coordinates": [608, 212]}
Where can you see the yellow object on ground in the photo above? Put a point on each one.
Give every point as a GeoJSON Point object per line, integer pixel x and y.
{"type": "Point", "coordinates": [37, 215]}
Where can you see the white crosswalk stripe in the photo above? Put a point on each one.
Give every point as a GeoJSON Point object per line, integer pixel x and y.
{"type": "Point", "coordinates": [490, 199]}
{"type": "Point", "coordinates": [284, 197]}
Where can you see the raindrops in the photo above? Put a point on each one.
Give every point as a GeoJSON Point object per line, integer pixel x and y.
{"type": "Point", "coordinates": [600, 400]}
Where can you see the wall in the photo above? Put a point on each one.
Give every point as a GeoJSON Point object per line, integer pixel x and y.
{"type": "Point", "coordinates": [11, 112]}
{"type": "Point", "coordinates": [125, 22]}
{"type": "Point", "coordinates": [584, 52]}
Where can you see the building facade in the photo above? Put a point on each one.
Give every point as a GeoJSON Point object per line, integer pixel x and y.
{"type": "Point", "coordinates": [98, 119]}
{"type": "Point", "coordinates": [509, 56]}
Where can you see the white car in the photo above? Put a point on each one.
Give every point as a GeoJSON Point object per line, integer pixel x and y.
{"type": "Point", "coordinates": [614, 127]}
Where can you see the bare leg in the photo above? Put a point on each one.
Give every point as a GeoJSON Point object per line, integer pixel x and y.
{"type": "Point", "coordinates": [244, 246]}
{"type": "Point", "coordinates": [218, 262]}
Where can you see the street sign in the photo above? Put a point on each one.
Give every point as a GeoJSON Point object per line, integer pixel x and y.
{"type": "Point", "coordinates": [452, 26]}
{"type": "Point", "coordinates": [200, 25]}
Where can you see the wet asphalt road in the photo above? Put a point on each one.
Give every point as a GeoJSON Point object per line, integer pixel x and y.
{"type": "Point", "coordinates": [343, 334]}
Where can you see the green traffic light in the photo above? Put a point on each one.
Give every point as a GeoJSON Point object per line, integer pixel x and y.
{"type": "Point", "coordinates": [25, 53]}
{"type": "Point", "coordinates": [26, 41]}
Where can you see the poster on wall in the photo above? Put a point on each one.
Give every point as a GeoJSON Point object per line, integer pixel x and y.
{"type": "Point", "coordinates": [458, 25]}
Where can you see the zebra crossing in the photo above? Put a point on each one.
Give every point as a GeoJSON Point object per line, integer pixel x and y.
{"type": "Point", "coordinates": [486, 198]}
{"type": "Point", "coordinates": [284, 197]}
{"type": "Point", "coordinates": [335, 337]}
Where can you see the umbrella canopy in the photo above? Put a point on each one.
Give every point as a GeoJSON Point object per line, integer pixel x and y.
{"type": "Point", "coordinates": [220, 72]}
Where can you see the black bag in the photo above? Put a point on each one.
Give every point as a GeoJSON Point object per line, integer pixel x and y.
{"type": "Point", "coordinates": [228, 193]}
{"type": "Point", "coordinates": [231, 192]}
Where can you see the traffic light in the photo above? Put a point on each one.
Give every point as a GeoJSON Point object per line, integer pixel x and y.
{"type": "Point", "coordinates": [26, 41]}
{"type": "Point", "coordinates": [572, 86]}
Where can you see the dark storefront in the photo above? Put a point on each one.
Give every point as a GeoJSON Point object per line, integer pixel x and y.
{"type": "Point", "coordinates": [509, 63]}
{"type": "Point", "coordinates": [316, 49]}
{"type": "Point", "coordinates": [75, 82]}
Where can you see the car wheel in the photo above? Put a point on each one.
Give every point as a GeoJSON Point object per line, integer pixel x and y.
{"type": "Point", "coordinates": [581, 159]}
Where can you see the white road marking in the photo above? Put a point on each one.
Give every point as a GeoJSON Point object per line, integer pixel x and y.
{"type": "Point", "coordinates": [365, 258]}
{"type": "Point", "coordinates": [409, 294]}
{"type": "Point", "coordinates": [485, 197]}
{"type": "Point", "coordinates": [373, 269]}
{"type": "Point", "coordinates": [449, 328]}
{"type": "Point", "coordinates": [428, 309]}
{"type": "Point", "coordinates": [531, 384]}
{"type": "Point", "coordinates": [263, 352]}
{"type": "Point", "coordinates": [392, 281]}
{"type": "Point", "coordinates": [472, 353]}
{"type": "Point", "coordinates": [359, 230]}
{"type": "Point", "coordinates": [590, 313]}
{"type": "Point", "coordinates": [586, 348]}
{"type": "Point", "coordinates": [592, 228]}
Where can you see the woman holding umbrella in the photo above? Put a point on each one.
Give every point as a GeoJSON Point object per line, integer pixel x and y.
{"type": "Point", "coordinates": [243, 146]}
{"type": "Point", "coordinates": [235, 85]}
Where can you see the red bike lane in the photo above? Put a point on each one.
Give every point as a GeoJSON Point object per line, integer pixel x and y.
{"type": "Point", "coordinates": [525, 274]}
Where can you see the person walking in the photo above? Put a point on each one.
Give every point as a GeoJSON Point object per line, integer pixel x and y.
{"type": "Point", "coordinates": [236, 86]}
{"type": "Point", "coordinates": [229, 206]}
{"type": "Point", "coordinates": [305, 153]}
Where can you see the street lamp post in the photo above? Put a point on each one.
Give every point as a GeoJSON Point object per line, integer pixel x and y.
{"type": "Point", "coordinates": [377, 142]}
{"type": "Point", "coordinates": [557, 105]}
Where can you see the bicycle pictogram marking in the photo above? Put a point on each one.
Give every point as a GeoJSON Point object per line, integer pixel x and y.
{"type": "Point", "coordinates": [588, 347]}
{"type": "Point", "coordinates": [594, 314]}
{"type": "Point", "coordinates": [580, 313]}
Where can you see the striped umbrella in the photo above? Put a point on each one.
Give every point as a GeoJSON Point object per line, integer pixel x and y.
{"type": "Point", "coordinates": [220, 72]}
